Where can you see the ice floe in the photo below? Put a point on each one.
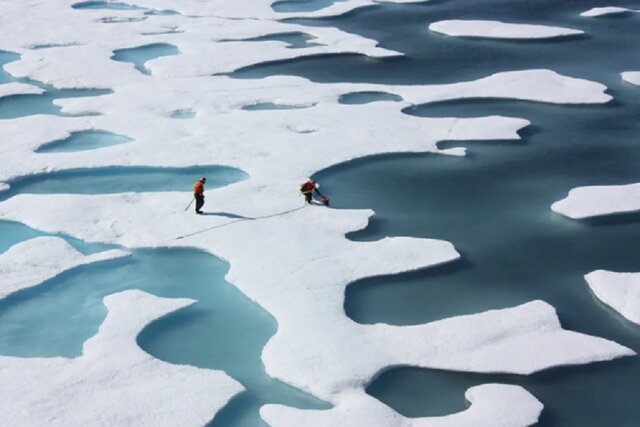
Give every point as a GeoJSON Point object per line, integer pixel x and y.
{"type": "Point", "coordinates": [598, 200]}
{"type": "Point", "coordinates": [606, 11]}
{"type": "Point", "coordinates": [12, 89]}
{"type": "Point", "coordinates": [632, 77]}
{"type": "Point", "coordinates": [500, 30]}
{"type": "Point", "coordinates": [620, 291]}
{"type": "Point", "coordinates": [30, 263]}
{"type": "Point", "coordinates": [113, 382]}
{"type": "Point", "coordinates": [492, 405]}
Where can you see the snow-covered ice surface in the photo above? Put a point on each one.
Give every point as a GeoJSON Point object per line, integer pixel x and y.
{"type": "Point", "coordinates": [112, 382]}
{"type": "Point", "coordinates": [500, 30]}
{"type": "Point", "coordinates": [34, 261]}
{"type": "Point", "coordinates": [11, 89]}
{"type": "Point", "coordinates": [606, 11]}
{"type": "Point", "coordinates": [632, 77]}
{"type": "Point", "coordinates": [316, 348]}
{"type": "Point", "coordinates": [591, 201]}
{"type": "Point", "coordinates": [492, 405]}
{"type": "Point", "coordinates": [620, 291]}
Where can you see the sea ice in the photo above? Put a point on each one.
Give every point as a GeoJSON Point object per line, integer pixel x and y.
{"type": "Point", "coordinates": [300, 281]}
{"type": "Point", "coordinates": [590, 201]}
{"type": "Point", "coordinates": [30, 263]}
{"type": "Point", "coordinates": [606, 11]}
{"type": "Point", "coordinates": [620, 291]}
{"type": "Point", "coordinates": [14, 88]}
{"type": "Point", "coordinates": [492, 405]}
{"type": "Point", "coordinates": [500, 30]}
{"type": "Point", "coordinates": [114, 382]}
{"type": "Point", "coordinates": [632, 77]}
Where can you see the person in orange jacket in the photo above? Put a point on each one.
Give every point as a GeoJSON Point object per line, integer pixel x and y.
{"type": "Point", "coordinates": [198, 194]}
{"type": "Point", "coordinates": [307, 190]}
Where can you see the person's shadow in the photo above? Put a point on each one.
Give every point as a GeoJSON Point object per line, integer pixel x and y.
{"type": "Point", "coordinates": [226, 215]}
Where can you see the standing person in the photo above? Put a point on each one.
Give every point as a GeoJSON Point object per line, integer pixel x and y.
{"type": "Point", "coordinates": [307, 190]}
{"type": "Point", "coordinates": [198, 194]}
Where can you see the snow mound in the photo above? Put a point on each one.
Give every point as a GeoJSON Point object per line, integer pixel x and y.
{"type": "Point", "coordinates": [620, 291]}
{"type": "Point", "coordinates": [632, 77]}
{"type": "Point", "coordinates": [500, 30]}
{"type": "Point", "coordinates": [492, 405]}
{"type": "Point", "coordinates": [606, 11]}
{"type": "Point", "coordinates": [590, 201]}
{"type": "Point", "coordinates": [30, 263]}
{"type": "Point", "coordinates": [114, 382]}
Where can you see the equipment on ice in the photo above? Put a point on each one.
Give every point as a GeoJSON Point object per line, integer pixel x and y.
{"type": "Point", "coordinates": [307, 190]}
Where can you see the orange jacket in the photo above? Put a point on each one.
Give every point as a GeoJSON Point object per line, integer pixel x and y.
{"type": "Point", "coordinates": [308, 187]}
{"type": "Point", "coordinates": [198, 187]}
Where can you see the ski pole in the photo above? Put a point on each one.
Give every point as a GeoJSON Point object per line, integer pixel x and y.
{"type": "Point", "coordinates": [185, 209]}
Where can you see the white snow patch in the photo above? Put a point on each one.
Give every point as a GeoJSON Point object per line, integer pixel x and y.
{"type": "Point", "coordinates": [30, 263]}
{"type": "Point", "coordinates": [632, 77]}
{"type": "Point", "coordinates": [14, 88]}
{"type": "Point", "coordinates": [114, 382]}
{"type": "Point", "coordinates": [598, 200]}
{"type": "Point", "coordinates": [606, 11]}
{"type": "Point", "coordinates": [492, 405]}
{"type": "Point", "coordinates": [620, 291]}
{"type": "Point", "coordinates": [500, 30]}
{"type": "Point", "coordinates": [4, 186]}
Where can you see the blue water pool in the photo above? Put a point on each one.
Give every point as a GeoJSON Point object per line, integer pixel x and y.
{"type": "Point", "coordinates": [122, 179]}
{"type": "Point", "coordinates": [272, 106]}
{"type": "Point", "coordinates": [357, 98]}
{"type": "Point", "coordinates": [139, 56]}
{"type": "Point", "coordinates": [301, 5]}
{"type": "Point", "coordinates": [84, 140]}
{"type": "Point", "coordinates": [105, 5]}
{"type": "Point", "coordinates": [294, 40]}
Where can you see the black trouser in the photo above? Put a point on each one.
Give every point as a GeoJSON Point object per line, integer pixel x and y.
{"type": "Point", "coordinates": [199, 201]}
{"type": "Point", "coordinates": [308, 197]}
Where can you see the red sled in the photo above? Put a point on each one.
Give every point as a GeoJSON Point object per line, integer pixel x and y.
{"type": "Point", "coordinates": [325, 200]}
